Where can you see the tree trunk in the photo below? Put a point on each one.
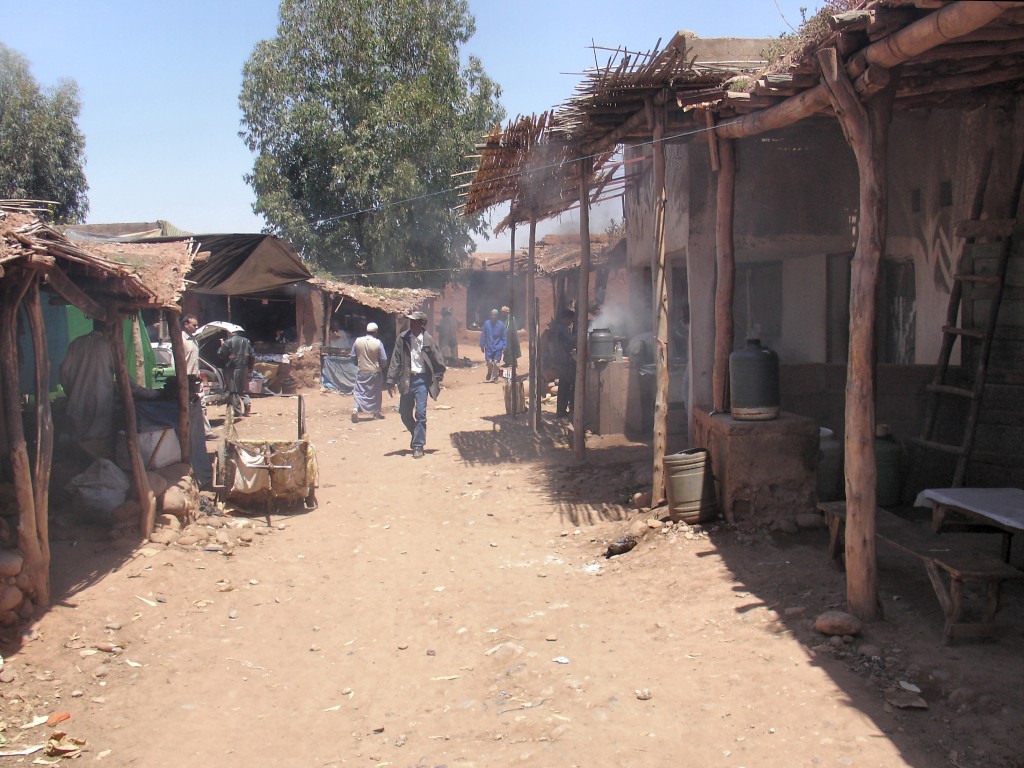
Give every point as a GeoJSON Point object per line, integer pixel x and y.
{"type": "Point", "coordinates": [181, 375]}
{"type": "Point", "coordinates": [659, 275]}
{"type": "Point", "coordinates": [35, 565]}
{"type": "Point", "coordinates": [867, 128]}
{"type": "Point", "coordinates": [725, 285]}
{"type": "Point", "coordinates": [532, 322]}
{"type": "Point", "coordinates": [44, 443]}
{"type": "Point", "coordinates": [140, 483]}
{"type": "Point", "coordinates": [579, 436]}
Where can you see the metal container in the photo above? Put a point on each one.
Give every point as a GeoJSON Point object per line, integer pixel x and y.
{"type": "Point", "coordinates": [600, 345]}
{"type": "Point", "coordinates": [754, 383]}
{"type": "Point", "coordinates": [690, 486]}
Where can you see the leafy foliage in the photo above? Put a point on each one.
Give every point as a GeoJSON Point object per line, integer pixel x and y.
{"type": "Point", "coordinates": [42, 150]}
{"type": "Point", "coordinates": [359, 112]}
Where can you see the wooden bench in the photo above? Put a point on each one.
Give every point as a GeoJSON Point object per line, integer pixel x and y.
{"type": "Point", "coordinates": [938, 559]}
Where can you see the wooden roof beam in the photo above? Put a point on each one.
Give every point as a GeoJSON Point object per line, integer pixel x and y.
{"type": "Point", "coordinates": [66, 289]}
{"type": "Point", "coordinates": [937, 28]}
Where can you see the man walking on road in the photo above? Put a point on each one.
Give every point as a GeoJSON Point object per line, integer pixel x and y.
{"type": "Point", "coordinates": [371, 360]}
{"type": "Point", "coordinates": [416, 368]}
{"type": "Point", "coordinates": [492, 344]}
{"type": "Point", "coordinates": [237, 354]}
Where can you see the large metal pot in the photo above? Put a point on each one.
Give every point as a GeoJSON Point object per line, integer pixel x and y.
{"type": "Point", "coordinates": [600, 345]}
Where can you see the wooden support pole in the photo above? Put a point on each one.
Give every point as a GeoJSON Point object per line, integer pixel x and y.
{"type": "Point", "coordinates": [183, 393]}
{"type": "Point", "coordinates": [725, 285]}
{"type": "Point", "coordinates": [659, 275]}
{"type": "Point", "coordinates": [513, 397]}
{"type": "Point", "coordinates": [36, 565]}
{"type": "Point", "coordinates": [140, 483]}
{"type": "Point", "coordinates": [866, 126]}
{"type": "Point", "coordinates": [44, 440]}
{"type": "Point", "coordinates": [533, 321]}
{"type": "Point", "coordinates": [579, 436]}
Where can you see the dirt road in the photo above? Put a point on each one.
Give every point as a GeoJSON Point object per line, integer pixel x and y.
{"type": "Point", "coordinates": [458, 611]}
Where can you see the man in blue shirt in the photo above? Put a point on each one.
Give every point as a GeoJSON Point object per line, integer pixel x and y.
{"type": "Point", "coordinates": [493, 341]}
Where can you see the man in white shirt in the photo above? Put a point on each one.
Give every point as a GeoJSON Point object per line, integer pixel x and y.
{"type": "Point", "coordinates": [417, 367]}
{"type": "Point", "coordinates": [371, 360]}
{"type": "Point", "coordinates": [201, 467]}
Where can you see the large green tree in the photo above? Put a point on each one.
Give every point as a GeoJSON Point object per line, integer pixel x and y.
{"type": "Point", "coordinates": [42, 150]}
{"type": "Point", "coordinates": [359, 112]}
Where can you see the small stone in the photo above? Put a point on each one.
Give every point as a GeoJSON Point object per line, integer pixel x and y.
{"type": "Point", "coordinates": [810, 520]}
{"type": "Point", "coordinates": [163, 536]}
{"type": "Point", "coordinates": [113, 625]}
{"type": "Point", "coordinates": [869, 650]}
{"type": "Point", "coordinates": [10, 563]}
{"type": "Point", "coordinates": [643, 694]}
{"type": "Point", "coordinates": [838, 623]}
{"type": "Point", "coordinates": [233, 615]}
{"type": "Point", "coordinates": [168, 521]}
{"type": "Point", "coordinates": [795, 610]}
{"type": "Point", "coordinates": [835, 641]}
{"type": "Point", "coordinates": [551, 638]}
{"type": "Point", "coordinates": [76, 694]}
{"type": "Point", "coordinates": [654, 523]}
{"type": "Point", "coordinates": [7, 676]}
{"type": "Point", "coordinates": [788, 526]}
{"type": "Point", "coordinates": [314, 648]}
{"type": "Point", "coordinates": [403, 646]}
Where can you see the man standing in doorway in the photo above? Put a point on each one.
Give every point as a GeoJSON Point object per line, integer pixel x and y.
{"type": "Point", "coordinates": [563, 362]}
{"type": "Point", "coordinates": [416, 368]}
{"type": "Point", "coordinates": [492, 344]}
{"type": "Point", "coordinates": [371, 360]}
{"type": "Point", "coordinates": [237, 354]}
{"type": "Point", "coordinates": [196, 420]}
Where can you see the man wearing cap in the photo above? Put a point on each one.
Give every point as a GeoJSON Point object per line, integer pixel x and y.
{"type": "Point", "coordinates": [371, 361]}
{"type": "Point", "coordinates": [492, 344]}
{"type": "Point", "coordinates": [417, 367]}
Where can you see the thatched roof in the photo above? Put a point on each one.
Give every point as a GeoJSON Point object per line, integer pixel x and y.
{"type": "Point", "coordinates": [557, 254]}
{"type": "Point", "coordinates": [161, 267]}
{"type": "Point", "coordinates": [955, 54]}
{"type": "Point", "coordinates": [396, 301]}
{"type": "Point", "coordinates": [525, 166]}
{"type": "Point", "coordinates": [222, 264]}
{"type": "Point", "coordinates": [28, 242]}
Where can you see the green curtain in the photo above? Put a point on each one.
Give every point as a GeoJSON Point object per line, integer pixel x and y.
{"type": "Point", "coordinates": [148, 358]}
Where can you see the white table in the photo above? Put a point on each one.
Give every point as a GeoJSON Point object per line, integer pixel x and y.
{"type": "Point", "coordinates": [1001, 508]}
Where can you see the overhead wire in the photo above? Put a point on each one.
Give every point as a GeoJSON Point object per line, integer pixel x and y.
{"type": "Point", "coordinates": [427, 195]}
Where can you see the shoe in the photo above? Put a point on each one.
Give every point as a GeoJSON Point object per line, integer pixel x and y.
{"type": "Point", "coordinates": [417, 453]}
{"type": "Point", "coordinates": [378, 415]}
{"type": "Point", "coordinates": [355, 417]}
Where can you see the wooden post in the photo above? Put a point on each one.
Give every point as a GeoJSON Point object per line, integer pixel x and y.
{"type": "Point", "coordinates": [866, 126]}
{"type": "Point", "coordinates": [140, 483]}
{"type": "Point", "coordinates": [44, 441]}
{"type": "Point", "coordinates": [36, 565]}
{"type": "Point", "coordinates": [725, 285]}
{"type": "Point", "coordinates": [579, 406]}
{"type": "Point", "coordinates": [532, 322]}
{"type": "Point", "coordinates": [183, 394]}
{"type": "Point", "coordinates": [659, 275]}
{"type": "Point", "coordinates": [513, 398]}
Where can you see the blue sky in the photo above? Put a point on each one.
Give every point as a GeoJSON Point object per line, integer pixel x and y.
{"type": "Point", "coordinates": [159, 82]}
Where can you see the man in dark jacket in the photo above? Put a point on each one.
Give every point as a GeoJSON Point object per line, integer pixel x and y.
{"type": "Point", "coordinates": [237, 356]}
{"type": "Point", "coordinates": [417, 367]}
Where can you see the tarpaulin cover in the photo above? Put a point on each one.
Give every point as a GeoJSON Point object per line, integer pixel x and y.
{"type": "Point", "coordinates": [338, 373]}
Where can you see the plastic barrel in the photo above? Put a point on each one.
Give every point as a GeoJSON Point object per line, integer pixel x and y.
{"type": "Point", "coordinates": [754, 383]}
{"type": "Point", "coordinates": [690, 486]}
{"type": "Point", "coordinates": [887, 469]}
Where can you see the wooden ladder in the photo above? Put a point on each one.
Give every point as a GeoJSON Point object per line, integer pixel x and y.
{"type": "Point", "coordinates": [1000, 238]}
